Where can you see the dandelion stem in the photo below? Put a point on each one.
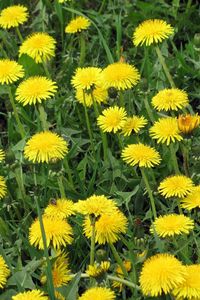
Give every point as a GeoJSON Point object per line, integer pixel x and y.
{"type": "Point", "coordinates": [43, 117]}
{"type": "Point", "coordinates": [69, 173]}
{"type": "Point", "coordinates": [185, 154]}
{"type": "Point", "coordinates": [174, 159]}
{"type": "Point", "coordinates": [118, 259]}
{"type": "Point", "coordinates": [123, 281]}
{"type": "Point", "coordinates": [19, 35]}
{"type": "Point", "coordinates": [148, 109]}
{"type": "Point", "coordinates": [88, 123]}
{"type": "Point", "coordinates": [61, 187]}
{"type": "Point", "coordinates": [121, 99]}
{"type": "Point", "coordinates": [92, 246]}
{"type": "Point", "coordinates": [82, 50]}
{"type": "Point", "coordinates": [46, 69]}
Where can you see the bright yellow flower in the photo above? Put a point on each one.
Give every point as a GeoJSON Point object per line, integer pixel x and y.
{"type": "Point", "coordinates": [4, 272]}
{"type": "Point", "coordinates": [3, 188]}
{"type": "Point", "coordinates": [45, 147]}
{"type": "Point", "coordinates": [188, 123]}
{"type": "Point", "coordinates": [165, 130]}
{"type": "Point", "coordinates": [62, 1]}
{"type": "Point", "coordinates": [58, 233]}
{"type": "Point", "coordinates": [98, 270]}
{"type": "Point", "coordinates": [170, 99]}
{"type": "Point", "coordinates": [173, 224]}
{"type": "Point", "coordinates": [40, 46]}
{"type": "Point", "coordinates": [30, 295]}
{"type": "Point", "coordinates": [192, 200]}
{"type": "Point", "coordinates": [35, 90]}
{"type": "Point", "coordinates": [87, 78]}
{"type": "Point", "coordinates": [160, 274]}
{"type": "Point", "coordinates": [134, 124]}
{"type": "Point", "coordinates": [98, 293]}
{"type": "Point", "coordinates": [60, 208]}
{"type": "Point", "coordinates": [120, 75]}
{"type": "Point", "coordinates": [176, 186]}
{"type": "Point", "coordinates": [10, 71]}
{"type": "Point", "coordinates": [13, 16]}
{"type": "Point", "coordinates": [112, 119]}
{"type": "Point", "coordinates": [143, 155]}
{"type": "Point", "coordinates": [100, 95]}
{"type": "Point", "coordinates": [2, 155]}
{"type": "Point", "coordinates": [151, 31]}
{"type": "Point", "coordinates": [78, 24]}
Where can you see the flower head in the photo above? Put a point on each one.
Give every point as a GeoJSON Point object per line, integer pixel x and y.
{"type": "Point", "coordinates": [98, 293]}
{"type": "Point", "coordinates": [77, 25]}
{"type": "Point", "coordinates": [120, 75]}
{"type": "Point", "coordinates": [112, 119]}
{"type": "Point", "coordinates": [99, 94]}
{"type": "Point", "coordinates": [97, 270]}
{"type": "Point", "coordinates": [170, 99]}
{"type": "Point", "coordinates": [176, 186]}
{"type": "Point", "coordinates": [171, 225]}
{"type": "Point", "coordinates": [40, 46]}
{"type": "Point", "coordinates": [192, 200]}
{"type": "Point", "coordinates": [58, 233]}
{"type": "Point", "coordinates": [13, 16]}
{"type": "Point", "coordinates": [30, 295]}
{"type": "Point", "coordinates": [160, 274]}
{"type": "Point", "coordinates": [45, 147]}
{"type": "Point", "coordinates": [134, 124]}
{"type": "Point", "coordinates": [165, 130]}
{"type": "Point", "coordinates": [143, 155]}
{"type": "Point", "coordinates": [151, 31]}
{"type": "Point", "coordinates": [3, 188]}
{"type": "Point", "coordinates": [10, 71]}
{"type": "Point", "coordinates": [87, 79]}
{"type": "Point", "coordinates": [35, 90]}
{"type": "Point", "coordinates": [4, 272]}
{"type": "Point", "coordinates": [59, 208]}
{"type": "Point", "coordinates": [188, 123]}
{"type": "Point", "coordinates": [2, 155]}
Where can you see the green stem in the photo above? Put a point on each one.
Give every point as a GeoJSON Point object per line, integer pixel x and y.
{"type": "Point", "coordinates": [82, 50]}
{"type": "Point", "coordinates": [121, 99]}
{"type": "Point", "coordinates": [88, 123]}
{"type": "Point", "coordinates": [46, 69]}
{"type": "Point", "coordinates": [123, 281]}
{"type": "Point", "coordinates": [148, 109]}
{"type": "Point", "coordinates": [43, 117]}
{"type": "Point", "coordinates": [92, 246]}
{"type": "Point", "coordinates": [165, 68]}
{"type": "Point", "coordinates": [185, 154]}
{"type": "Point", "coordinates": [174, 159]}
{"type": "Point", "coordinates": [118, 259]}
{"type": "Point", "coordinates": [69, 173]}
{"type": "Point", "coordinates": [146, 181]}
{"type": "Point", "coordinates": [20, 183]}
{"type": "Point", "coordinates": [61, 187]}
{"type": "Point", "coordinates": [19, 35]}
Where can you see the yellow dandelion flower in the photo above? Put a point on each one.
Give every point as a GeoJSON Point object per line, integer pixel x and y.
{"type": "Point", "coordinates": [120, 75]}
{"type": "Point", "coordinates": [143, 155]}
{"type": "Point", "coordinates": [10, 71]}
{"type": "Point", "coordinates": [151, 32]}
{"type": "Point", "coordinates": [2, 155]}
{"type": "Point", "coordinates": [176, 186]}
{"type": "Point", "coordinates": [160, 274]}
{"type": "Point", "coordinates": [35, 89]}
{"type": "Point", "coordinates": [173, 224]}
{"type": "Point", "coordinates": [107, 227]}
{"type": "Point", "coordinates": [13, 16]}
{"type": "Point", "coordinates": [58, 233]}
{"type": "Point", "coordinates": [98, 293]}
{"type": "Point", "coordinates": [87, 78]}
{"type": "Point", "coordinates": [45, 147]}
{"type": "Point", "coordinates": [134, 124]}
{"type": "Point", "coordinates": [100, 95]}
{"type": "Point", "coordinates": [4, 272]}
{"type": "Point", "coordinates": [170, 99]}
{"type": "Point", "coordinates": [30, 295]}
{"type": "Point", "coordinates": [77, 25]}
{"type": "Point", "coordinates": [165, 130]}
{"type": "Point", "coordinates": [96, 205]}
{"type": "Point", "coordinates": [112, 119]}
{"type": "Point", "coordinates": [60, 208]}
{"type": "Point", "coordinates": [3, 188]}
{"type": "Point", "coordinates": [119, 272]}
{"type": "Point", "coordinates": [190, 288]}
{"type": "Point", "coordinates": [98, 270]}
{"type": "Point", "coordinates": [40, 46]}
{"type": "Point", "coordinates": [62, 1]}
{"type": "Point", "coordinates": [188, 123]}
{"type": "Point", "coordinates": [192, 200]}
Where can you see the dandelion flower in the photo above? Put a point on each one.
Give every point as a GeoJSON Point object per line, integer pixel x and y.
{"type": "Point", "coordinates": [143, 155]}
{"type": "Point", "coordinates": [134, 124]}
{"type": "Point", "coordinates": [77, 25]}
{"type": "Point", "coordinates": [40, 46]}
{"type": "Point", "coordinates": [98, 270]}
{"type": "Point", "coordinates": [165, 130]}
{"type": "Point", "coordinates": [176, 186]}
{"type": "Point", "coordinates": [119, 272]}
{"type": "Point", "coordinates": [160, 274]}
{"type": "Point", "coordinates": [35, 90]}
{"type": "Point", "coordinates": [87, 78]}
{"type": "Point", "coordinates": [4, 272]}
{"type": "Point", "coordinates": [30, 295]}
{"type": "Point", "coordinates": [3, 188]}
{"type": "Point", "coordinates": [62, 1]}
{"type": "Point", "coordinates": [99, 94]}
{"type": "Point", "coordinates": [173, 224]}
{"type": "Point", "coordinates": [58, 233]}
{"type": "Point", "coordinates": [45, 147]}
{"type": "Point", "coordinates": [188, 123]}
{"type": "Point", "coordinates": [170, 99]}
{"type": "Point", "coordinates": [2, 155]}
{"type": "Point", "coordinates": [10, 71]}
{"type": "Point", "coordinates": [98, 293]}
{"type": "Point", "coordinates": [96, 205]}
{"type": "Point", "coordinates": [151, 32]}
{"type": "Point", "coordinates": [112, 119]}
{"type": "Point", "coordinates": [192, 200]}
{"type": "Point", "coordinates": [13, 16]}
{"type": "Point", "coordinates": [120, 75]}
{"type": "Point", "coordinates": [60, 208]}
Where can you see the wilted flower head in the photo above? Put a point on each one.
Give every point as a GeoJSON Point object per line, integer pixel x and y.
{"type": "Point", "coordinates": [98, 293]}
{"type": "Point", "coordinates": [77, 25]}
{"type": "Point", "coordinates": [59, 208]}
{"type": "Point", "coordinates": [188, 123]}
{"type": "Point", "coordinates": [30, 295]}
{"type": "Point", "coordinates": [192, 200]}
{"type": "Point", "coordinates": [10, 71]}
{"type": "Point", "coordinates": [133, 124]}
{"type": "Point", "coordinates": [176, 186]}
{"type": "Point", "coordinates": [87, 79]}
{"type": "Point", "coordinates": [13, 16]}
{"type": "Point", "coordinates": [4, 272]}
{"type": "Point", "coordinates": [112, 119]}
